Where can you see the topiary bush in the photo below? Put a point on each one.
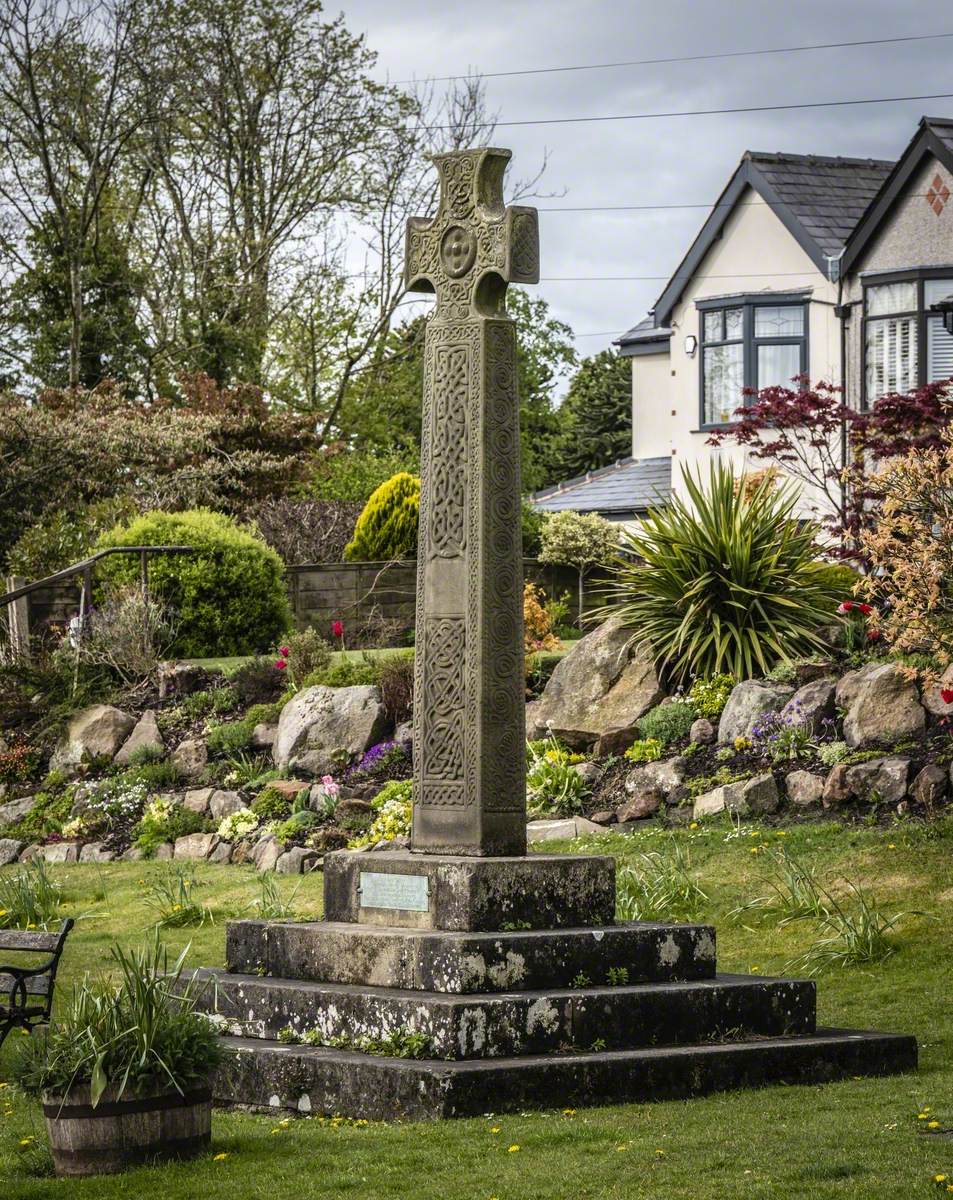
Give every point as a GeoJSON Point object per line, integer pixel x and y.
{"type": "Point", "coordinates": [668, 723]}
{"type": "Point", "coordinates": [387, 528]}
{"type": "Point", "coordinates": [229, 595]}
{"type": "Point", "coordinates": [723, 580]}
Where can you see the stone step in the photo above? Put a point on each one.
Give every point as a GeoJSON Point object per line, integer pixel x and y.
{"type": "Point", "coordinates": [425, 960]}
{"type": "Point", "coordinates": [269, 1075]}
{"type": "Point", "coordinates": [505, 1025]}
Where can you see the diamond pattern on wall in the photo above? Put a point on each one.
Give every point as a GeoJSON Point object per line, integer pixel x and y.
{"type": "Point", "coordinates": [938, 195]}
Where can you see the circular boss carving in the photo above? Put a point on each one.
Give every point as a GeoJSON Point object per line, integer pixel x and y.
{"type": "Point", "coordinates": [457, 251]}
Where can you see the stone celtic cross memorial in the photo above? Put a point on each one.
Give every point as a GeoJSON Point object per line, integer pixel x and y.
{"type": "Point", "coordinates": [469, 709]}
{"type": "Point", "coordinates": [504, 966]}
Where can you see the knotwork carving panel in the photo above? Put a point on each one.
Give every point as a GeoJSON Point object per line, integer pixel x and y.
{"type": "Point", "coordinates": [440, 746]}
{"type": "Point", "coordinates": [449, 451]}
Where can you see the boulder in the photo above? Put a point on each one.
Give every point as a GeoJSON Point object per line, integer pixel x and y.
{"type": "Point", "coordinates": [598, 691]}
{"type": "Point", "coordinates": [880, 705]}
{"type": "Point", "coordinates": [747, 797]}
{"type": "Point", "coordinates": [263, 736]}
{"type": "Point", "coordinates": [266, 853]}
{"type": "Point", "coordinates": [181, 679]}
{"type": "Point", "coordinates": [702, 732]}
{"type": "Point", "coordinates": [289, 788]}
{"type": "Point", "coordinates": [165, 852]}
{"type": "Point", "coordinates": [664, 777]}
{"type": "Point", "coordinates": [133, 854]}
{"type": "Point", "coordinates": [929, 787]}
{"type": "Point", "coordinates": [145, 734]}
{"type": "Point", "coordinates": [59, 852]}
{"type": "Point", "coordinates": [190, 758]}
{"type": "Point", "coordinates": [804, 789]}
{"type": "Point", "coordinates": [95, 732]}
{"type": "Point", "coordinates": [10, 850]}
{"type": "Point", "coordinates": [836, 787]}
{"type": "Point", "coordinates": [404, 734]}
{"type": "Point", "coordinates": [16, 810]}
{"type": "Point", "coordinates": [299, 860]}
{"type": "Point", "coordinates": [645, 804]}
{"type": "Point", "coordinates": [197, 799]}
{"type": "Point", "coordinates": [195, 845]}
{"type": "Point", "coordinates": [933, 702]}
{"type": "Point", "coordinates": [881, 778]}
{"type": "Point", "coordinates": [811, 704]}
{"type": "Point", "coordinates": [748, 702]}
{"type": "Point", "coordinates": [222, 853]}
{"type": "Point", "coordinates": [605, 816]}
{"type": "Point", "coordinates": [95, 852]}
{"type": "Point", "coordinates": [352, 808]}
{"type": "Point", "coordinates": [223, 804]}
{"type": "Point", "coordinates": [320, 723]}
{"type": "Point", "coordinates": [551, 830]}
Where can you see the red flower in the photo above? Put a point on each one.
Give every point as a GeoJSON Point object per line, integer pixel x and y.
{"type": "Point", "coordinates": [281, 665]}
{"type": "Point", "coordinates": [865, 609]}
{"type": "Point", "coordinates": [337, 628]}
{"type": "Point", "coordinates": [873, 635]}
{"type": "Point", "coordinates": [946, 695]}
{"type": "Point", "coordinates": [284, 651]}
{"type": "Point", "coordinates": [845, 606]}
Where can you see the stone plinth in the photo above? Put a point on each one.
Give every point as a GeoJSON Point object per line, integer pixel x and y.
{"type": "Point", "coordinates": [431, 891]}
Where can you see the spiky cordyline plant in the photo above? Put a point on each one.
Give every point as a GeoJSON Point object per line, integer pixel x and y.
{"type": "Point", "coordinates": [723, 581]}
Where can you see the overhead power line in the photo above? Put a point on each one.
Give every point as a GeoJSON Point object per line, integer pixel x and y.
{"type": "Point", "coordinates": [706, 112]}
{"type": "Point", "coordinates": [690, 58]}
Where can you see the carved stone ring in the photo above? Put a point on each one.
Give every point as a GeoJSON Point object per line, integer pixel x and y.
{"type": "Point", "coordinates": [458, 249]}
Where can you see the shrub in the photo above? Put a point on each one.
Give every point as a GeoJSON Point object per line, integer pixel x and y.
{"type": "Point", "coordinates": [238, 825]}
{"type": "Point", "coordinates": [379, 759]}
{"type": "Point", "coordinates": [257, 682]}
{"type": "Point", "coordinates": [229, 596]}
{"type": "Point", "coordinates": [644, 750]}
{"type": "Point", "coordinates": [537, 623]}
{"type": "Point", "coordinates": [668, 723]}
{"type": "Point", "coordinates": [353, 475]}
{"type": "Point", "coordinates": [395, 678]}
{"type": "Point", "coordinates": [271, 805]}
{"type": "Point", "coordinates": [387, 528]}
{"type": "Point", "coordinates": [720, 582]}
{"type": "Point", "coordinates": [708, 697]}
{"type": "Point", "coordinates": [307, 531]}
{"type": "Point", "coordinates": [393, 808]}
{"type": "Point", "coordinates": [18, 762]}
{"type": "Point", "coordinates": [553, 786]}
{"type": "Point", "coordinates": [50, 812]}
{"type": "Point", "coordinates": [135, 1033]}
{"type": "Point", "coordinates": [832, 753]}
{"type": "Point", "coordinates": [164, 821]}
{"type": "Point", "coordinates": [307, 651]}
{"type": "Point", "coordinates": [229, 738]}
{"type": "Point", "coordinates": [296, 826]}
{"type": "Point", "coordinates": [343, 674]}
{"type": "Point", "coordinates": [63, 536]}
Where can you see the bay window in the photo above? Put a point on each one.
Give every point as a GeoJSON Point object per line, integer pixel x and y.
{"type": "Point", "coordinates": [748, 342]}
{"type": "Point", "coordinates": [905, 345]}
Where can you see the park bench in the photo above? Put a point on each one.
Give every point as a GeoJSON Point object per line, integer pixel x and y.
{"type": "Point", "coordinates": [26, 992]}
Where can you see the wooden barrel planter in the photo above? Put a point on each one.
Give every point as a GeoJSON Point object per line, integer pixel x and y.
{"type": "Point", "coordinates": [158, 1124]}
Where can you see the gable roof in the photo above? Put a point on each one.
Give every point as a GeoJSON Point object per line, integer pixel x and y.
{"type": "Point", "coordinates": [934, 138]}
{"type": "Point", "coordinates": [626, 488]}
{"type": "Point", "coordinates": [818, 199]}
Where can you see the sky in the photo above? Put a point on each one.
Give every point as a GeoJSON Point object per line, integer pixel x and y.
{"type": "Point", "coordinates": [680, 160]}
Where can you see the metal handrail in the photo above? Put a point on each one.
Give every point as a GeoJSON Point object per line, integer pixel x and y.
{"type": "Point", "coordinates": [82, 567]}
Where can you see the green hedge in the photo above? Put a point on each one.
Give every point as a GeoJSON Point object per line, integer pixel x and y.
{"type": "Point", "coordinates": [229, 595]}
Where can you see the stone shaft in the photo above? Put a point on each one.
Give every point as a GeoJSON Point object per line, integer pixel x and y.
{"type": "Point", "coordinates": [469, 723]}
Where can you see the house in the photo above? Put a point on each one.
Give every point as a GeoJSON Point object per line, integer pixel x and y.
{"type": "Point", "coordinates": [622, 492]}
{"type": "Point", "coordinates": [807, 265]}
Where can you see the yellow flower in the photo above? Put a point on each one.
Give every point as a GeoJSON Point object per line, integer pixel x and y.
{"type": "Point", "coordinates": [569, 1112]}
{"type": "Point", "coordinates": [660, 1153]}
{"type": "Point", "coordinates": [621, 1148]}
{"type": "Point", "coordinates": [693, 825]}
{"type": "Point", "coordinates": [495, 1129]}
{"type": "Point", "coordinates": [512, 1149]}
{"type": "Point", "coordinates": [3, 1086]}
{"type": "Point", "coordinates": [220, 1157]}
{"type": "Point", "coordinates": [939, 1179]}
{"type": "Point", "coordinates": [891, 846]}
{"type": "Point", "coordinates": [26, 1141]}
{"type": "Point", "coordinates": [933, 1124]}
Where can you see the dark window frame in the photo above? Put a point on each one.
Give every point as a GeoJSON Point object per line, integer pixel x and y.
{"type": "Point", "coordinates": [749, 343]}
{"type": "Point", "coordinates": [919, 276]}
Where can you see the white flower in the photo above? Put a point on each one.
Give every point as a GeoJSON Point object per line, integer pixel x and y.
{"type": "Point", "coordinates": [238, 825]}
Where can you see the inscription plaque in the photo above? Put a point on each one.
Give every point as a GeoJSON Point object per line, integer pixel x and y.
{"type": "Point", "coordinates": [384, 889]}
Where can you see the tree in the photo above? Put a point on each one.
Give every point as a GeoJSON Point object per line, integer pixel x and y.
{"type": "Point", "coordinates": [580, 540]}
{"type": "Point", "coordinates": [595, 418]}
{"type": "Point", "coordinates": [828, 446]}
{"type": "Point", "coordinates": [387, 528]}
{"type": "Point", "coordinates": [69, 110]}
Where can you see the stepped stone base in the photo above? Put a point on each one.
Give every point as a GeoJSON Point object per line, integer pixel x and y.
{"type": "Point", "coordinates": [510, 980]}
{"type": "Point", "coordinates": [267, 1075]}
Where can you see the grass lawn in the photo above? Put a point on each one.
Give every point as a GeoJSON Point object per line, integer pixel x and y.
{"type": "Point", "coordinates": [860, 1138]}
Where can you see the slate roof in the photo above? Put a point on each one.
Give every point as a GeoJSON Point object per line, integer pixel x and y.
{"type": "Point", "coordinates": [827, 195]}
{"type": "Point", "coordinates": [625, 488]}
{"type": "Point", "coordinates": [644, 333]}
